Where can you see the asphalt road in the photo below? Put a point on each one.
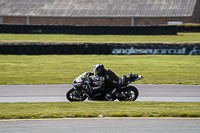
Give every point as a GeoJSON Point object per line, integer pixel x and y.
{"type": "Point", "coordinates": [56, 93]}
{"type": "Point", "coordinates": [99, 125]}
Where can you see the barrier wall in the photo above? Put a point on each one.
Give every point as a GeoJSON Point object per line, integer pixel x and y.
{"type": "Point", "coordinates": [105, 48]}
{"type": "Point", "coordinates": [96, 30]}
{"type": "Point", "coordinates": [188, 28]}
{"type": "Point", "coordinates": [88, 30]}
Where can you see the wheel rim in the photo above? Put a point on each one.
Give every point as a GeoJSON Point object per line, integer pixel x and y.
{"type": "Point", "coordinates": [130, 95]}
{"type": "Point", "coordinates": [76, 95]}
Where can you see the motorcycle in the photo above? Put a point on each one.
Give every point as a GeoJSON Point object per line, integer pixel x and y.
{"type": "Point", "coordinates": [83, 83]}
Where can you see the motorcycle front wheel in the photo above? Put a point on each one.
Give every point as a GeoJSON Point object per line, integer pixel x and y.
{"type": "Point", "coordinates": [129, 93]}
{"type": "Point", "coordinates": [75, 95]}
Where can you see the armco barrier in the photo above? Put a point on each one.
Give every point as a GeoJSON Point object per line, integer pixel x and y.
{"type": "Point", "coordinates": [95, 48]}
{"type": "Point", "coordinates": [88, 30]}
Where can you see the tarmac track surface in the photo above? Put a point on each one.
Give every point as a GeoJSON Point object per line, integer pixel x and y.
{"type": "Point", "coordinates": [99, 125]}
{"type": "Point", "coordinates": [56, 93]}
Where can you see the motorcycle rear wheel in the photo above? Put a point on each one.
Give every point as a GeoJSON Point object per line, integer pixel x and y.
{"type": "Point", "coordinates": [75, 95]}
{"type": "Point", "coordinates": [129, 93]}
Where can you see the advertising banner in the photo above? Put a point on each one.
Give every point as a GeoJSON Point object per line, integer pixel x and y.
{"type": "Point", "coordinates": [155, 49]}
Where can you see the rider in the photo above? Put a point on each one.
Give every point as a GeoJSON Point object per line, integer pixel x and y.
{"type": "Point", "coordinates": [107, 79]}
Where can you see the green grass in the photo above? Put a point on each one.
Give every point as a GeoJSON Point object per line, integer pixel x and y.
{"type": "Point", "coordinates": [62, 69]}
{"type": "Point", "coordinates": [94, 109]}
{"type": "Point", "coordinates": [181, 37]}
{"type": "Point", "coordinates": [189, 24]}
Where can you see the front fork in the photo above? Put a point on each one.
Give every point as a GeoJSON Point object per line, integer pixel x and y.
{"type": "Point", "coordinates": [85, 93]}
{"type": "Point", "coordinates": [78, 92]}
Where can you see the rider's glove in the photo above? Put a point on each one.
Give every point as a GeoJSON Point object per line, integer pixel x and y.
{"type": "Point", "coordinates": [89, 73]}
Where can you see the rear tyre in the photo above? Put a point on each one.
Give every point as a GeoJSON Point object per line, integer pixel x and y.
{"type": "Point", "coordinates": [75, 95]}
{"type": "Point", "coordinates": [129, 93]}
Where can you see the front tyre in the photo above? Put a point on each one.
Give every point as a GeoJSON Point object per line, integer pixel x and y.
{"type": "Point", "coordinates": [75, 95]}
{"type": "Point", "coordinates": [129, 93]}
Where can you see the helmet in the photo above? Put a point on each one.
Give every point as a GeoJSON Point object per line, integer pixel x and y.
{"type": "Point", "coordinates": [99, 70]}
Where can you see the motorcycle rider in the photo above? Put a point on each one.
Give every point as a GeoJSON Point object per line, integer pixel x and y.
{"type": "Point", "coordinates": [108, 79]}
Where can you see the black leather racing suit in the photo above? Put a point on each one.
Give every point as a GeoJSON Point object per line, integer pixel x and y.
{"type": "Point", "coordinates": [109, 81]}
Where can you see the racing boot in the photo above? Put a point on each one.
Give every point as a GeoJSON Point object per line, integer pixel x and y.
{"type": "Point", "coordinates": [109, 97]}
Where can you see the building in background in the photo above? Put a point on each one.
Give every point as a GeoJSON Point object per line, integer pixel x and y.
{"type": "Point", "coordinates": [99, 12]}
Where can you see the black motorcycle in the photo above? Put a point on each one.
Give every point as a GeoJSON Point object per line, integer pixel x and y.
{"type": "Point", "coordinates": [83, 83]}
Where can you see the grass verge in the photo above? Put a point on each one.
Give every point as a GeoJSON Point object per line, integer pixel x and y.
{"type": "Point", "coordinates": [181, 37]}
{"type": "Point", "coordinates": [94, 109]}
{"type": "Point", "coordinates": [63, 69]}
